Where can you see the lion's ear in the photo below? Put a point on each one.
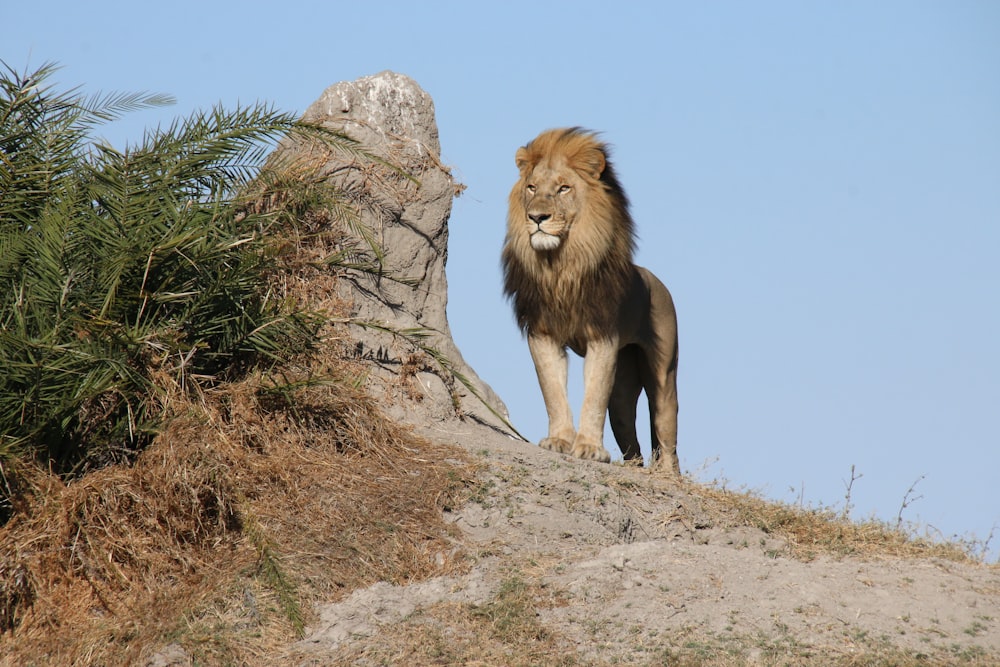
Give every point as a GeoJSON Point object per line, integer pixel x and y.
{"type": "Point", "coordinates": [591, 162]}
{"type": "Point", "coordinates": [521, 159]}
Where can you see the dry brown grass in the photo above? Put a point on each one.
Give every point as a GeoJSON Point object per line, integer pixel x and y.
{"type": "Point", "coordinates": [814, 531]}
{"type": "Point", "coordinates": [243, 511]}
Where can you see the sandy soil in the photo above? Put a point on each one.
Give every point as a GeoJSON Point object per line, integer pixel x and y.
{"type": "Point", "coordinates": [638, 568]}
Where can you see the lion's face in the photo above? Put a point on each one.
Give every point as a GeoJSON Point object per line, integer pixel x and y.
{"type": "Point", "coordinates": [567, 254]}
{"type": "Point", "coordinates": [553, 194]}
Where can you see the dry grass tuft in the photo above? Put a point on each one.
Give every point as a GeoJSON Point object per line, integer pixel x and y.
{"type": "Point", "coordinates": [814, 531]}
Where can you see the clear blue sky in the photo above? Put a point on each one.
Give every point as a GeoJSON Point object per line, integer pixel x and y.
{"type": "Point", "coordinates": [818, 183]}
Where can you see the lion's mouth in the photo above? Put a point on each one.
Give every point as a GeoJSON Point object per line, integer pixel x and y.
{"type": "Point", "coordinates": [543, 241]}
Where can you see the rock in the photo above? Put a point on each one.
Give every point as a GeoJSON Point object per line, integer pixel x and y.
{"type": "Point", "coordinates": [382, 605]}
{"type": "Point", "coordinates": [172, 655]}
{"type": "Point", "coordinates": [407, 211]}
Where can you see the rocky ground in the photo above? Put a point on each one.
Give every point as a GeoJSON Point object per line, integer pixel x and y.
{"type": "Point", "coordinates": [606, 564]}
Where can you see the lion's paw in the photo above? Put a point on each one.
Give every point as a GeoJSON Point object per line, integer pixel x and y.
{"type": "Point", "coordinates": [584, 448]}
{"type": "Point", "coordinates": [556, 445]}
{"type": "Point", "coordinates": [666, 465]}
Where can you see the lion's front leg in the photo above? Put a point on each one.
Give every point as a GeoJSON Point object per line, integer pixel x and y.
{"type": "Point", "coordinates": [552, 368]}
{"type": "Point", "coordinates": [598, 380]}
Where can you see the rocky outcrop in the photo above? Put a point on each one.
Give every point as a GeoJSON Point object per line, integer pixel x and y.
{"type": "Point", "coordinates": [405, 205]}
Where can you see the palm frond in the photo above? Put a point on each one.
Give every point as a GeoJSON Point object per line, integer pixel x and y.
{"type": "Point", "coordinates": [105, 107]}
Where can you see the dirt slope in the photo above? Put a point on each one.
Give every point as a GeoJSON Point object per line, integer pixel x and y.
{"type": "Point", "coordinates": [575, 562]}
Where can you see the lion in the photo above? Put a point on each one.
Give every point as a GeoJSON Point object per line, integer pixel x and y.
{"type": "Point", "coordinates": [568, 271]}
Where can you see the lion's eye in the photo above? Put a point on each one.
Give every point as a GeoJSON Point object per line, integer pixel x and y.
{"type": "Point", "coordinates": [530, 188]}
{"type": "Point", "coordinates": [563, 189]}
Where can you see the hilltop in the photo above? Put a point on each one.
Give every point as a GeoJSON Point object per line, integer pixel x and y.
{"type": "Point", "coordinates": [580, 563]}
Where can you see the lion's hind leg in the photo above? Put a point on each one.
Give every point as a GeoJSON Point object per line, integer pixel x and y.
{"type": "Point", "coordinates": [661, 389]}
{"type": "Point", "coordinates": [622, 405]}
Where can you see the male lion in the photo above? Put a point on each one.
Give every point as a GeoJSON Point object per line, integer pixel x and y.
{"type": "Point", "coordinates": [567, 262]}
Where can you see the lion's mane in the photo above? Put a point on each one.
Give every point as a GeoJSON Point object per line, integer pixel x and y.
{"type": "Point", "coordinates": [571, 293]}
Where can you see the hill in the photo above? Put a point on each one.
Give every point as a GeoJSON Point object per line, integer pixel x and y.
{"type": "Point", "coordinates": [578, 563]}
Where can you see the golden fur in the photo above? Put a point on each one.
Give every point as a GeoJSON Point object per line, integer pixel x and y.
{"type": "Point", "coordinates": [568, 270]}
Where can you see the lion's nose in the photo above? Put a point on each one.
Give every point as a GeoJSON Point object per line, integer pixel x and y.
{"type": "Point", "coordinates": [539, 218]}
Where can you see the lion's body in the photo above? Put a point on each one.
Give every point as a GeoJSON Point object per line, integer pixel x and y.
{"type": "Point", "coordinates": [568, 270]}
